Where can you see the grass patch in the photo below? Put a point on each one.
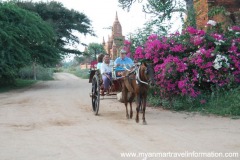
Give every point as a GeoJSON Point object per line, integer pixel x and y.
{"type": "Point", "coordinates": [225, 103]}
{"type": "Point", "coordinates": [221, 102]}
{"type": "Point", "coordinates": [82, 73]}
{"type": "Point", "coordinates": [19, 84]}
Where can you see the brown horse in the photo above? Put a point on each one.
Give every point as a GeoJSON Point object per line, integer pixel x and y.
{"type": "Point", "coordinates": [136, 82]}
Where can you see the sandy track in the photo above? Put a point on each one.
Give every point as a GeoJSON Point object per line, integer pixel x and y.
{"type": "Point", "coordinates": [53, 121]}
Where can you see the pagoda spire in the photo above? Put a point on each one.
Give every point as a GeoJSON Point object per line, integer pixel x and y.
{"type": "Point", "coordinates": [116, 18]}
{"type": "Point", "coordinates": [103, 41]}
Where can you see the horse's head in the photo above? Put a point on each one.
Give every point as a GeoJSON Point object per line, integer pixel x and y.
{"type": "Point", "coordinates": [148, 73]}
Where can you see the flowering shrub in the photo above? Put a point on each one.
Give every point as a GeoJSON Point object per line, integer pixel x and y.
{"type": "Point", "coordinates": [220, 61]}
{"type": "Point", "coordinates": [194, 59]}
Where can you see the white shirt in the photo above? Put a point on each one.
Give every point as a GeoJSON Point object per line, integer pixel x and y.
{"type": "Point", "coordinates": [105, 68]}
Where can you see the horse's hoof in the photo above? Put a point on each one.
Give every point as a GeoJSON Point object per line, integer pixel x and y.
{"type": "Point", "coordinates": [137, 120]}
{"type": "Point", "coordinates": [144, 123]}
{"type": "Point", "coordinates": [131, 115]}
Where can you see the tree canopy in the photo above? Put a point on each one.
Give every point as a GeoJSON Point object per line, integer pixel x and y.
{"type": "Point", "coordinates": [65, 22]}
{"type": "Point", "coordinates": [24, 38]}
{"type": "Point", "coordinates": [94, 49]}
{"type": "Point", "coordinates": [159, 6]}
{"type": "Point", "coordinates": [161, 9]}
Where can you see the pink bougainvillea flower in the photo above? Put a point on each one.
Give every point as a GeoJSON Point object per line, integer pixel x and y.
{"type": "Point", "coordinates": [184, 61]}
{"type": "Point", "coordinates": [203, 101]}
{"type": "Point", "coordinates": [192, 30]}
{"type": "Point", "coordinates": [236, 28]}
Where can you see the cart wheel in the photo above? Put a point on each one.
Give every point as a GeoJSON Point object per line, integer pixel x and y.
{"type": "Point", "coordinates": [95, 94]}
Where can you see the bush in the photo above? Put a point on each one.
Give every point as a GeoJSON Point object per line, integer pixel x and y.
{"type": "Point", "coordinates": [42, 73]}
{"type": "Point", "coordinates": [196, 70]}
{"type": "Point", "coordinates": [220, 102]}
{"type": "Point", "coordinates": [59, 69]}
{"type": "Point", "coordinates": [18, 84]}
{"type": "Point", "coordinates": [194, 60]}
{"type": "Point", "coordinates": [83, 73]}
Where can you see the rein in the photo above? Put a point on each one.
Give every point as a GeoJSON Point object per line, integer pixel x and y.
{"type": "Point", "coordinates": [138, 78]}
{"type": "Point", "coordinates": [136, 71]}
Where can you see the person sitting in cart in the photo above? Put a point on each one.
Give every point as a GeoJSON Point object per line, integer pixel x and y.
{"type": "Point", "coordinates": [100, 60]}
{"type": "Point", "coordinates": [123, 60]}
{"type": "Point", "coordinates": [106, 71]}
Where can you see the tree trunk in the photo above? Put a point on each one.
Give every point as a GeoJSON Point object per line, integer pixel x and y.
{"type": "Point", "coordinates": [95, 54]}
{"type": "Point", "coordinates": [189, 4]}
{"type": "Point", "coordinates": [191, 13]}
{"type": "Point", "coordinates": [34, 70]}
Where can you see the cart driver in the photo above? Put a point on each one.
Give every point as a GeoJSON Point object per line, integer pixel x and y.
{"type": "Point", "coordinates": [123, 60]}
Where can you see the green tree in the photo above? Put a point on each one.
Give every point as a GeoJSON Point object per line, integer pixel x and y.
{"type": "Point", "coordinates": [24, 39]}
{"type": "Point", "coordinates": [163, 9]}
{"type": "Point", "coordinates": [94, 49]}
{"type": "Point", "coordinates": [66, 23]}
{"type": "Point", "coordinates": [79, 59]}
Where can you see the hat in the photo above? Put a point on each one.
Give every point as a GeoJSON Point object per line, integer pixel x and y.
{"type": "Point", "coordinates": [123, 51]}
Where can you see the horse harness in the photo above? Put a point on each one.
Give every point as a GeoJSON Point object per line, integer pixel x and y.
{"type": "Point", "coordinates": [135, 72]}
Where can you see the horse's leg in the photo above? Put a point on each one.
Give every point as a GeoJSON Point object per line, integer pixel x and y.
{"type": "Point", "coordinates": [124, 96]}
{"type": "Point", "coordinates": [144, 109]}
{"type": "Point", "coordinates": [130, 101]}
{"type": "Point", "coordinates": [138, 107]}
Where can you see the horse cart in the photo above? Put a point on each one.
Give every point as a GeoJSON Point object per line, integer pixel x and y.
{"type": "Point", "coordinates": [97, 86]}
{"type": "Point", "coordinates": [135, 81]}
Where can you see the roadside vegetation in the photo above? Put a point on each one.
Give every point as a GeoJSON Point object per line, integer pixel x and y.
{"type": "Point", "coordinates": [200, 75]}
{"type": "Point", "coordinates": [34, 36]}
{"type": "Point", "coordinates": [73, 67]}
{"type": "Point", "coordinates": [82, 73]}
{"type": "Point", "coordinates": [18, 84]}
{"type": "Point", "coordinates": [196, 70]}
{"type": "Point", "coordinates": [42, 73]}
{"type": "Point", "coordinates": [219, 102]}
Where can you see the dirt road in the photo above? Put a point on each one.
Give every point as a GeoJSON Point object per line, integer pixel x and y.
{"type": "Point", "coordinates": [53, 121]}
